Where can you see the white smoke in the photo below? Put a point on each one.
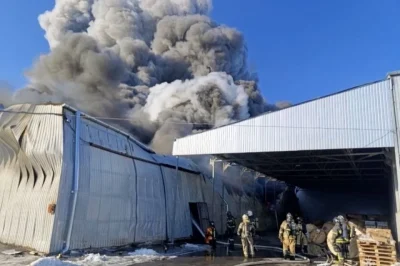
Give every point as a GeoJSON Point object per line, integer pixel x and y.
{"type": "Point", "coordinates": [228, 99]}
{"type": "Point", "coordinates": [162, 65]}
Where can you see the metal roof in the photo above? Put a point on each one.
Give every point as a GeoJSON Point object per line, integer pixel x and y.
{"type": "Point", "coordinates": [341, 141]}
{"type": "Point", "coordinates": [358, 118]}
{"type": "Point", "coordinates": [139, 143]}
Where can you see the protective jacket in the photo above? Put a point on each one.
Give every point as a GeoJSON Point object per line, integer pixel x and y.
{"type": "Point", "coordinates": [231, 224]}
{"type": "Point", "coordinates": [287, 235]}
{"type": "Point", "coordinates": [211, 235]}
{"type": "Point", "coordinates": [340, 240]}
{"type": "Point", "coordinates": [342, 233]}
{"type": "Point", "coordinates": [301, 235]}
{"type": "Point", "coordinates": [287, 230]}
{"type": "Point", "coordinates": [246, 231]}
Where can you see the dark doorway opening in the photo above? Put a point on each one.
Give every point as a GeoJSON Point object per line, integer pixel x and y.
{"type": "Point", "coordinates": [199, 213]}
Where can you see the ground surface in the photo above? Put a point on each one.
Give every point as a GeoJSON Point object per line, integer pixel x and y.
{"type": "Point", "coordinates": [220, 258]}
{"type": "Point", "coordinates": [195, 255]}
{"type": "Point", "coordinates": [22, 259]}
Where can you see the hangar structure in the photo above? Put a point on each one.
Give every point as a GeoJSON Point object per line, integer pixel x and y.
{"type": "Point", "coordinates": [70, 181]}
{"type": "Point", "coordinates": [341, 151]}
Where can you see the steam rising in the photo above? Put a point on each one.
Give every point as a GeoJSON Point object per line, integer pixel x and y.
{"type": "Point", "coordinates": [162, 65]}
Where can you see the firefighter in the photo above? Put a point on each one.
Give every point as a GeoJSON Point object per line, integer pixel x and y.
{"type": "Point", "coordinates": [246, 231]}
{"type": "Point", "coordinates": [253, 219]}
{"type": "Point", "coordinates": [211, 236]}
{"type": "Point", "coordinates": [340, 240]}
{"type": "Point", "coordinates": [287, 235]}
{"type": "Point", "coordinates": [230, 230]}
{"type": "Point", "coordinates": [301, 237]}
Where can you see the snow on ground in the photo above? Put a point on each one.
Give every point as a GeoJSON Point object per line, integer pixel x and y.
{"type": "Point", "coordinates": [143, 252]}
{"type": "Point", "coordinates": [141, 255]}
{"type": "Point", "coordinates": [138, 256]}
{"type": "Point", "coordinates": [51, 262]}
{"type": "Point", "coordinates": [195, 247]}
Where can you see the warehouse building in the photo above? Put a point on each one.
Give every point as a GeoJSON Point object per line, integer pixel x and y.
{"type": "Point", "coordinates": [340, 151]}
{"type": "Point", "coordinates": [69, 181]}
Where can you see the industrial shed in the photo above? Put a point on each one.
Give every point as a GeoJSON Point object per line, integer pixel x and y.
{"type": "Point", "coordinates": [69, 181]}
{"type": "Point", "coordinates": [341, 151]}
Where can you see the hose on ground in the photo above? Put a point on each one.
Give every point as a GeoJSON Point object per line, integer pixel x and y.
{"type": "Point", "coordinates": [275, 262]}
{"type": "Point", "coordinates": [304, 260]}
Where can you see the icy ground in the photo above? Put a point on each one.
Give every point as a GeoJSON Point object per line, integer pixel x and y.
{"type": "Point", "coordinates": [141, 255]}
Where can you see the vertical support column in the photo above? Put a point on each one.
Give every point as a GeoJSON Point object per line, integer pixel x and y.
{"type": "Point", "coordinates": [175, 193]}
{"type": "Point", "coordinates": [394, 79]}
{"type": "Point", "coordinates": [75, 188]}
{"type": "Point", "coordinates": [213, 186]}
{"type": "Point", "coordinates": [223, 202]}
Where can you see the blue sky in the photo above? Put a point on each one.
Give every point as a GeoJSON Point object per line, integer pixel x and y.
{"type": "Point", "coordinates": [300, 49]}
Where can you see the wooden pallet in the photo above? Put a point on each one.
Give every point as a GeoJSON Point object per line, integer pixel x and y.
{"type": "Point", "coordinates": [374, 253]}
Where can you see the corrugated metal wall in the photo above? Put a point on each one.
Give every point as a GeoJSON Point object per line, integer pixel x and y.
{"type": "Point", "coordinates": [31, 153]}
{"type": "Point", "coordinates": [180, 191]}
{"type": "Point", "coordinates": [395, 80]}
{"type": "Point", "coordinates": [63, 209]}
{"type": "Point", "coordinates": [357, 118]}
{"type": "Point", "coordinates": [121, 196]}
{"type": "Point", "coordinates": [151, 224]}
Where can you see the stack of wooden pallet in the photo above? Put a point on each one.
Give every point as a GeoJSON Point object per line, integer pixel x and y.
{"type": "Point", "coordinates": [379, 249]}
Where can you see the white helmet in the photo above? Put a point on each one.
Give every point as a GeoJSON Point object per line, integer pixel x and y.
{"type": "Point", "coordinates": [245, 217]}
{"type": "Point", "coordinates": [250, 213]}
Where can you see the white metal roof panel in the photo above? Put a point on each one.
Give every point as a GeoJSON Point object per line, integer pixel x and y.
{"type": "Point", "coordinates": [356, 118]}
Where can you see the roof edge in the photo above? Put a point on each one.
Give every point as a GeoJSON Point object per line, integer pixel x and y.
{"type": "Point", "coordinates": [393, 74]}
{"type": "Point", "coordinates": [139, 143]}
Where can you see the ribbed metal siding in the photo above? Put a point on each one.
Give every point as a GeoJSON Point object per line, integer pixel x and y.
{"type": "Point", "coordinates": [357, 118]}
{"type": "Point", "coordinates": [180, 190]}
{"type": "Point", "coordinates": [95, 133]}
{"type": "Point", "coordinates": [396, 99]}
{"type": "Point", "coordinates": [151, 203]}
{"type": "Point", "coordinates": [106, 207]}
{"type": "Point", "coordinates": [105, 211]}
{"type": "Point", "coordinates": [30, 169]}
{"type": "Point", "coordinates": [65, 187]}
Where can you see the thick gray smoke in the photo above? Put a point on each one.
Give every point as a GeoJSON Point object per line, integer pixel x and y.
{"type": "Point", "coordinates": [162, 65]}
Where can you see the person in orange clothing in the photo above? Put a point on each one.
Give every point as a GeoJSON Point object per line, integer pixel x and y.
{"type": "Point", "coordinates": [211, 235]}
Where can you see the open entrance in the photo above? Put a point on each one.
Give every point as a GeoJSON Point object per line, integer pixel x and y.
{"type": "Point", "coordinates": [199, 213]}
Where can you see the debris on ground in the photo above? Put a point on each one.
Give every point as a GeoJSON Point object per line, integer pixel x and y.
{"type": "Point", "coordinates": [12, 252]}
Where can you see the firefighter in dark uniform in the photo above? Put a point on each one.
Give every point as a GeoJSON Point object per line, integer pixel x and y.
{"type": "Point", "coordinates": [301, 237]}
{"type": "Point", "coordinates": [211, 236]}
{"type": "Point", "coordinates": [230, 230]}
{"type": "Point", "coordinates": [341, 235]}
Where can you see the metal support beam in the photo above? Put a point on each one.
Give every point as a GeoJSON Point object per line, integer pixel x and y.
{"type": "Point", "coordinates": [271, 164]}
{"type": "Point", "coordinates": [274, 157]}
{"type": "Point", "coordinates": [75, 188]}
{"type": "Point", "coordinates": [212, 162]}
{"type": "Point", "coordinates": [320, 170]}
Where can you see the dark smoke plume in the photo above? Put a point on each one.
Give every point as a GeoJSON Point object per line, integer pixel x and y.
{"type": "Point", "coordinates": [162, 65]}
